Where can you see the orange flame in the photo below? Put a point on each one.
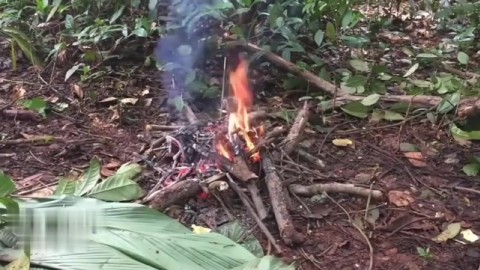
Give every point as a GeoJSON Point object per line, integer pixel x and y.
{"type": "Point", "coordinates": [239, 119]}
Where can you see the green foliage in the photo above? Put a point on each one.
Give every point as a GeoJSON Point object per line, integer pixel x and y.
{"type": "Point", "coordinates": [119, 187]}
{"type": "Point", "coordinates": [132, 236]}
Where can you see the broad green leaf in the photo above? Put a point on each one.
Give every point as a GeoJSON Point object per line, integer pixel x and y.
{"type": "Point", "coordinates": [22, 263]}
{"type": "Point", "coordinates": [426, 55]}
{"type": "Point", "coordinates": [449, 103]}
{"type": "Point", "coordinates": [356, 81]}
{"type": "Point", "coordinates": [359, 65]}
{"type": "Point", "coordinates": [235, 231]}
{"type": "Point", "coordinates": [356, 108]}
{"type": "Point", "coordinates": [461, 135]}
{"type": "Point", "coordinates": [36, 104]}
{"type": "Point", "coordinates": [127, 171]}
{"type": "Point", "coordinates": [463, 58]}
{"type": "Point", "coordinates": [25, 44]}
{"type": "Point", "coordinates": [370, 100]}
{"type": "Point", "coordinates": [393, 116]}
{"type": "Point", "coordinates": [265, 263]}
{"type": "Point", "coordinates": [116, 189]}
{"type": "Point", "coordinates": [140, 32]}
{"type": "Point", "coordinates": [319, 35]}
{"type": "Point", "coordinates": [377, 116]}
{"type": "Point", "coordinates": [411, 70]}
{"type": "Point", "coordinates": [89, 178]}
{"type": "Point", "coordinates": [331, 32]}
{"type": "Point", "coordinates": [190, 251]}
{"type": "Point", "coordinates": [10, 204]}
{"type": "Point", "coordinates": [471, 169]}
{"type": "Point", "coordinates": [7, 186]}
{"type": "Point", "coordinates": [450, 232]}
{"type": "Point", "coordinates": [66, 186]}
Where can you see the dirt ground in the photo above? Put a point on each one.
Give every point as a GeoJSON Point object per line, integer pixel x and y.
{"type": "Point", "coordinates": [92, 127]}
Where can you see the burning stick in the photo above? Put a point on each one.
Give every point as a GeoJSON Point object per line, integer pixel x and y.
{"type": "Point", "coordinates": [293, 137]}
{"type": "Point", "coordinates": [277, 195]}
{"type": "Point", "coordinates": [240, 170]}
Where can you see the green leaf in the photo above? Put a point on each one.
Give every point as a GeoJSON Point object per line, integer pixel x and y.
{"type": "Point", "coordinates": [11, 206]}
{"type": "Point", "coordinates": [449, 103]}
{"type": "Point", "coordinates": [116, 190]}
{"type": "Point", "coordinates": [56, 5]}
{"type": "Point", "coordinates": [117, 14]}
{"type": "Point", "coordinates": [140, 32]}
{"type": "Point", "coordinates": [120, 186]}
{"type": "Point", "coordinates": [356, 81]}
{"type": "Point", "coordinates": [319, 35]}
{"type": "Point", "coordinates": [25, 44]}
{"type": "Point", "coordinates": [330, 32]}
{"type": "Point", "coordinates": [370, 100]}
{"type": "Point", "coordinates": [393, 116]}
{"type": "Point", "coordinates": [7, 186]}
{"type": "Point", "coordinates": [421, 83]}
{"type": "Point", "coordinates": [37, 104]}
{"type": "Point", "coordinates": [89, 179]}
{"type": "Point", "coordinates": [69, 22]}
{"type": "Point", "coordinates": [463, 58]}
{"type": "Point", "coordinates": [265, 263]}
{"type": "Point", "coordinates": [471, 169]}
{"type": "Point", "coordinates": [411, 70]}
{"type": "Point", "coordinates": [461, 135]}
{"type": "Point", "coordinates": [235, 231]}
{"type": "Point", "coordinates": [66, 186]}
{"type": "Point", "coordinates": [356, 108]}
{"type": "Point", "coordinates": [426, 55]}
{"type": "Point", "coordinates": [359, 65]}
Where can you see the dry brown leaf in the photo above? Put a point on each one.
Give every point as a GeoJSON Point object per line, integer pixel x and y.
{"type": "Point", "coordinates": [18, 93]}
{"type": "Point", "coordinates": [76, 90]}
{"type": "Point", "coordinates": [43, 193]}
{"type": "Point", "coordinates": [416, 159]}
{"type": "Point", "coordinates": [112, 165]}
{"type": "Point", "coordinates": [106, 172]}
{"type": "Point", "coordinates": [400, 198]}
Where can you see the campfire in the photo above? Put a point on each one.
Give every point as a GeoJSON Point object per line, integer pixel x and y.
{"type": "Point", "coordinates": [210, 158]}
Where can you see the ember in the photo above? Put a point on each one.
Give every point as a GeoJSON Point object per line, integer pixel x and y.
{"type": "Point", "coordinates": [238, 119]}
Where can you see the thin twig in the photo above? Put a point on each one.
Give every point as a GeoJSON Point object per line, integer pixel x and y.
{"type": "Point", "coordinates": [370, 247]}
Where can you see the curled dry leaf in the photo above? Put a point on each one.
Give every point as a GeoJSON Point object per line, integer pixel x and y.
{"type": "Point", "coordinates": [450, 232]}
{"type": "Point", "coordinates": [18, 93]}
{"type": "Point", "coordinates": [76, 90]}
{"type": "Point", "coordinates": [400, 198]}
{"type": "Point", "coordinates": [416, 159]}
{"type": "Point", "coordinates": [342, 142]}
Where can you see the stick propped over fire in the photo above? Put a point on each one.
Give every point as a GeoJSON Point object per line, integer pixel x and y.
{"type": "Point", "coordinates": [241, 136]}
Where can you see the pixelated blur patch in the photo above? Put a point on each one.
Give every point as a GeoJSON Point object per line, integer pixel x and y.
{"type": "Point", "coordinates": [57, 229]}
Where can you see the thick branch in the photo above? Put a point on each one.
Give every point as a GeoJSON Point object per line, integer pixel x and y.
{"type": "Point", "coordinates": [175, 193]}
{"type": "Point", "coordinates": [315, 189]}
{"type": "Point", "coordinates": [278, 198]}
{"type": "Point", "coordinates": [294, 135]}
